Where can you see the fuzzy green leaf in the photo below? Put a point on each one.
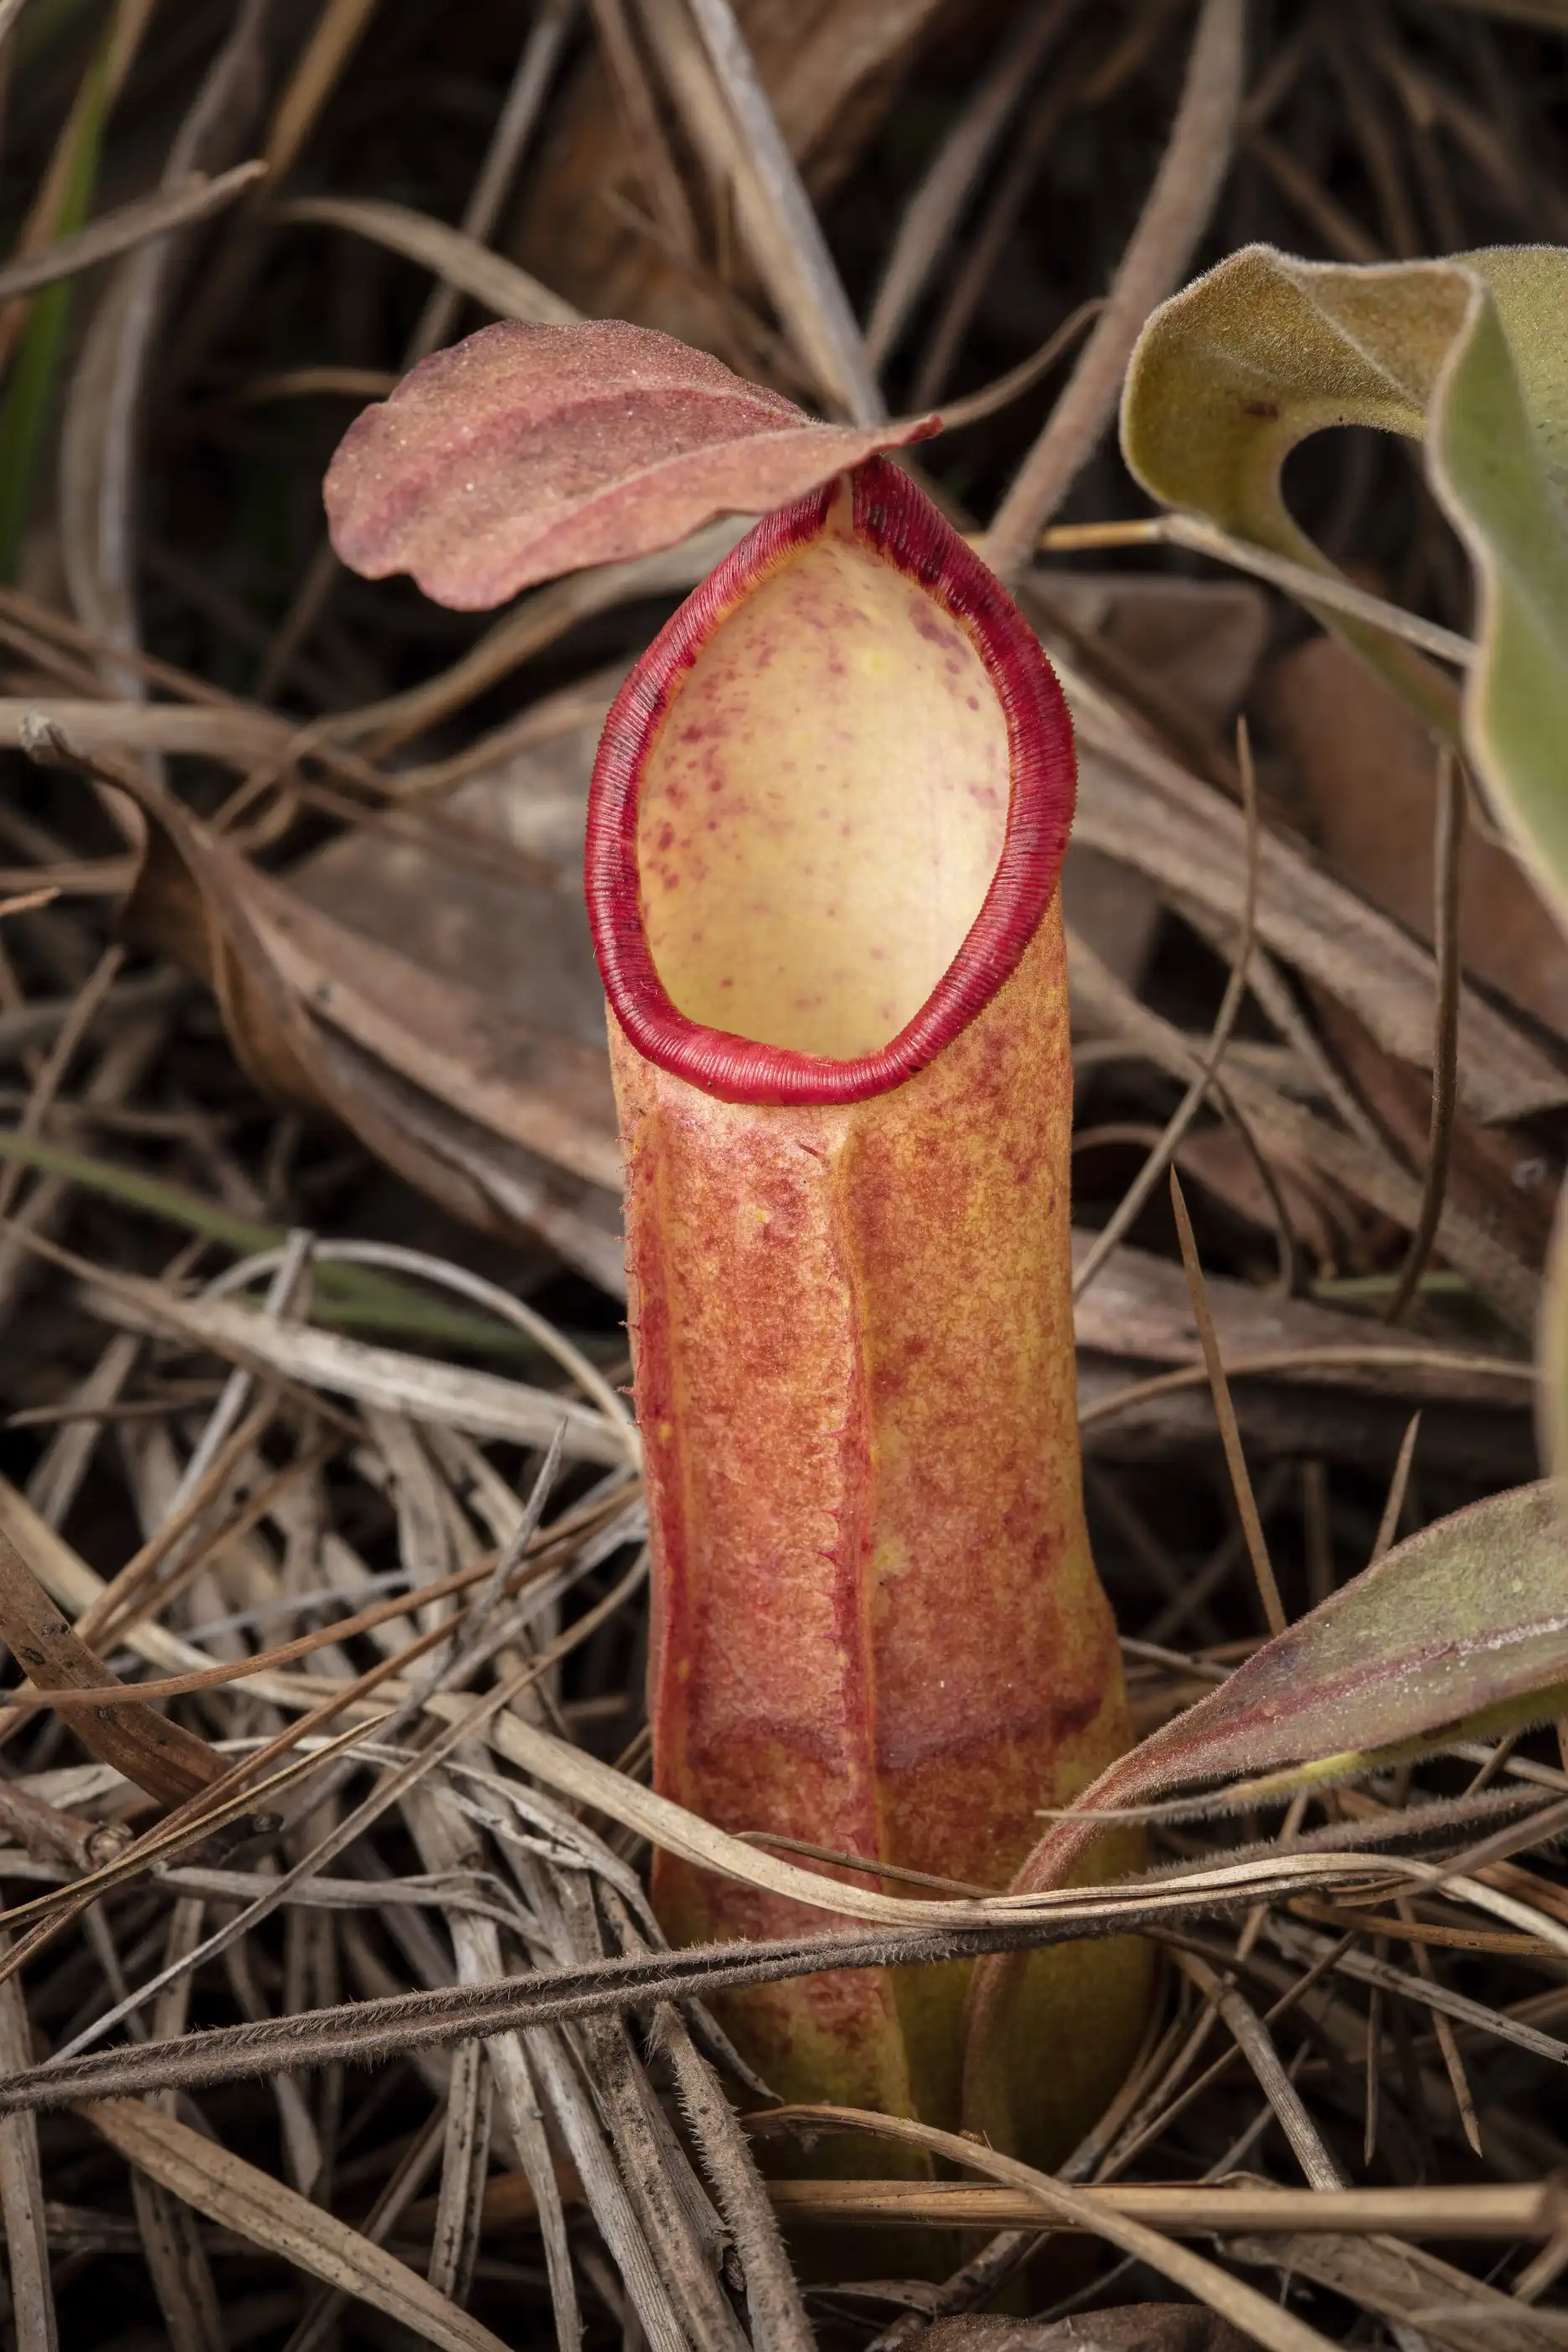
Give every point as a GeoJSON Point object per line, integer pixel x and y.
{"type": "Point", "coordinates": [1468, 356]}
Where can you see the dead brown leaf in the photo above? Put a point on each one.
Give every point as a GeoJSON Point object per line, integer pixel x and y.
{"type": "Point", "coordinates": [526, 946]}
{"type": "Point", "coordinates": [505, 1123]}
{"type": "Point", "coordinates": [1502, 1178]}
{"type": "Point", "coordinates": [1366, 769]}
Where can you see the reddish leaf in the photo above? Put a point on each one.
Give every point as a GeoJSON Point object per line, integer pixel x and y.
{"type": "Point", "coordinates": [528, 451]}
{"type": "Point", "coordinates": [1466, 1623]}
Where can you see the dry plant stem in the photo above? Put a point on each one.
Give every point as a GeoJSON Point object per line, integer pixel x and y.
{"type": "Point", "coordinates": [291, 1279]}
{"type": "Point", "coordinates": [1448, 864]}
{"type": "Point", "coordinates": [1448, 2044]}
{"type": "Point", "coordinates": [782, 227]}
{"type": "Point", "coordinates": [116, 1076]}
{"type": "Point", "coordinates": [1544, 2272]}
{"type": "Point", "coordinates": [1501, 2211]}
{"type": "Point", "coordinates": [124, 1594]}
{"type": "Point", "coordinates": [796, 1140]}
{"type": "Point", "coordinates": [1131, 1202]}
{"type": "Point", "coordinates": [1260, 2318]}
{"type": "Point", "coordinates": [1150, 2126]}
{"type": "Point", "coordinates": [207, 2176]}
{"type": "Point", "coordinates": [338, 27]}
{"type": "Point", "coordinates": [1510, 1375]}
{"type": "Point", "coordinates": [978, 264]}
{"type": "Point", "coordinates": [1298, 580]}
{"type": "Point", "coordinates": [388, 1790]}
{"type": "Point", "coordinates": [1186, 188]}
{"type": "Point", "coordinates": [62, 1052]}
{"type": "Point", "coordinates": [189, 1826]}
{"type": "Point", "coordinates": [100, 84]}
{"type": "Point", "coordinates": [933, 211]}
{"type": "Point", "coordinates": [1101, 1000]}
{"type": "Point", "coordinates": [777, 2314]}
{"type": "Point", "coordinates": [101, 431]}
{"type": "Point", "coordinates": [1004, 389]}
{"type": "Point", "coordinates": [316, 2322]}
{"type": "Point", "coordinates": [984, 2273]}
{"type": "Point", "coordinates": [1252, 2039]}
{"type": "Point", "coordinates": [364, 1620]}
{"type": "Point", "coordinates": [22, 2191]}
{"type": "Point", "coordinates": [520, 112]}
{"type": "Point", "coordinates": [180, 208]}
{"type": "Point", "coordinates": [1224, 1413]}
{"type": "Point", "coordinates": [369, 2030]}
{"type": "Point", "coordinates": [1398, 1485]}
{"type": "Point", "coordinates": [176, 2258]}
{"type": "Point", "coordinates": [662, 186]}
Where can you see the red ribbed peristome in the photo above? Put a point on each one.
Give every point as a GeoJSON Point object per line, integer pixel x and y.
{"type": "Point", "coordinates": [896, 519]}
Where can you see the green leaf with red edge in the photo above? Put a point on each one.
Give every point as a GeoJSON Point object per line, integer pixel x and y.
{"type": "Point", "coordinates": [1460, 1630]}
{"type": "Point", "coordinates": [527, 451]}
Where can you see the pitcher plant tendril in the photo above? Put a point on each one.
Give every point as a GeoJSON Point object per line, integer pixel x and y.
{"type": "Point", "coordinates": [824, 834]}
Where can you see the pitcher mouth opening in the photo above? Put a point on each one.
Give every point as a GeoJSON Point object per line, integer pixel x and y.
{"type": "Point", "coordinates": [830, 805]}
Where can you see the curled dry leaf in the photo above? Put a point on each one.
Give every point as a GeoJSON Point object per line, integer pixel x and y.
{"type": "Point", "coordinates": [160, 1757]}
{"type": "Point", "coordinates": [527, 451]}
{"type": "Point", "coordinates": [1464, 1624]}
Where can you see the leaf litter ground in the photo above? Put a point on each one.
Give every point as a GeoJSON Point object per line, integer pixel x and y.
{"type": "Point", "coordinates": [333, 2010]}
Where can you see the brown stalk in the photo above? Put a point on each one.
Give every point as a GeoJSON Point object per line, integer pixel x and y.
{"type": "Point", "coordinates": [62, 1052]}
{"type": "Point", "coordinates": [120, 1601]}
{"type": "Point", "coordinates": [1448, 2043]}
{"type": "Point", "coordinates": [933, 211]}
{"type": "Point", "coordinates": [1305, 1360]}
{"type": "Point", "coordinates": [1224, 1413]}
{"type": "Point", "coordinates": [162, 1757]}
{"type": "Point", "coordinates": [392, 1784]}
{"type": "Point", "coordinates": [1449, 863]}
{"type": "Point", "coordinates": [1186, 188]}
{"type": "Point", "coordinates": [1131, 1202]}
{"type": "Point", "coordinates": [261, 1661]}
{"type": "Point", "coordinates": [130, 226]}
{"type": "Point", "coordinates": [1169, 2103]}
{"type": "Point", "coordinates": [1398, 1487]}
{"type": "Point", "coordinates": [1502, 2210]}
{"type": "Point", "coordinates": [1272, 2327]}
{"type": "Point", "coordinates": [22, 2203]}
{"type": "Point", "coordinates": [1251, 2038]}
{"type": "Point", "coordinates": [1419, 1931]}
